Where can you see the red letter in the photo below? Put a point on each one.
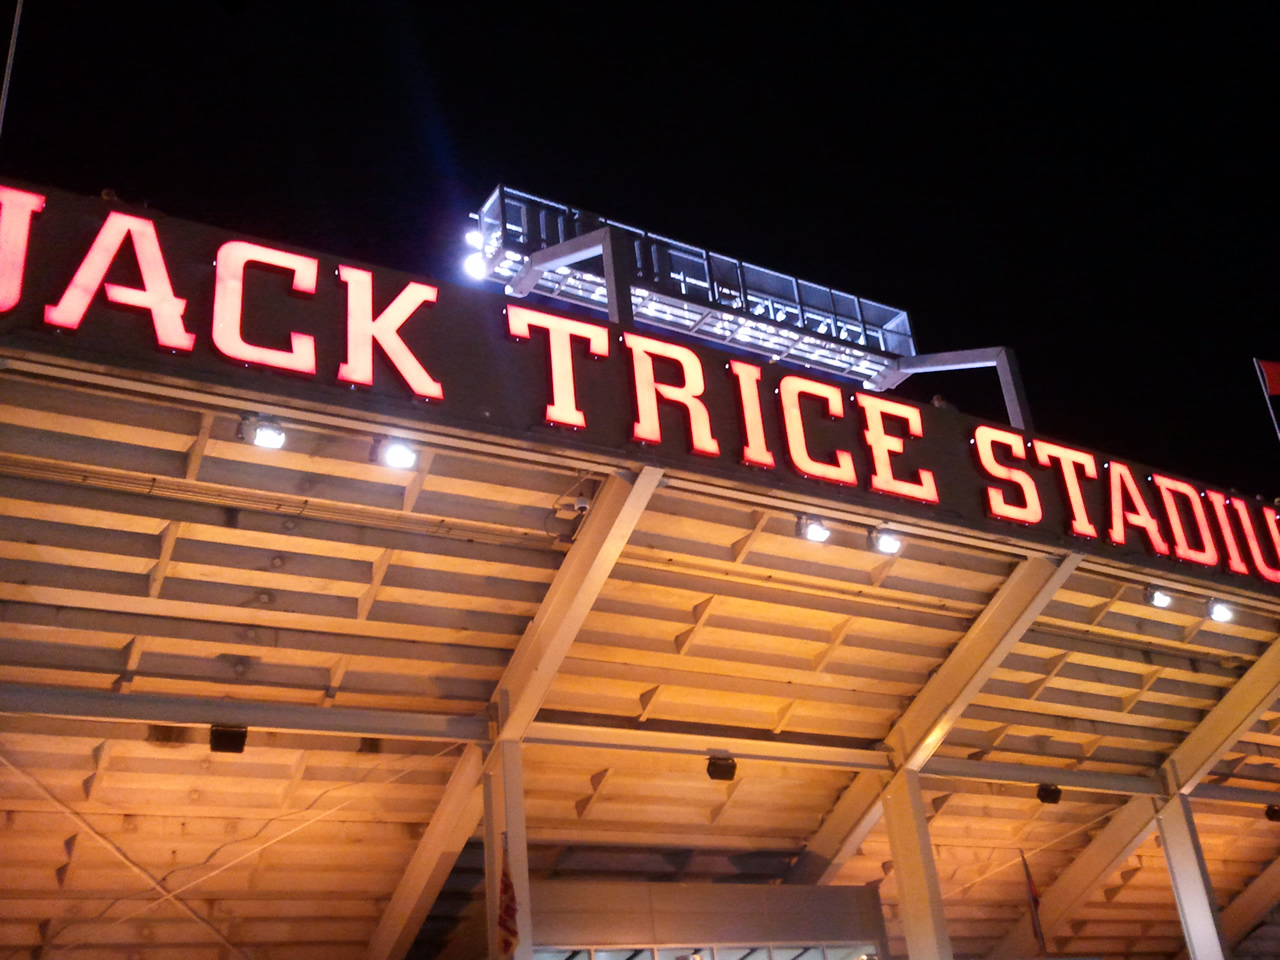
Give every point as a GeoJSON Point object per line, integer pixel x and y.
{"type": "Point", "coordinates": [228, 301]}
{"type": "Point", "coordinates": [363, 330]}
{"type": "Point", "coordinates": [1208, 554]}
{"type": "Point", "coordinates": [156, 294]}
{"type": "Point", "coordinates": [1251, 538]}
{"type": "Point", "coordinates": [16, 210]}
{"type": "Point", "coordinates": [647, 428]}
{"type": "Point", "coordinates": [789, 392]}
{"type": "Point", "coordinates": [1070, 463]}
{"type": "Point", "coordinates": [1235, 562]}
{"type": "Point", "coordinates": [563, 408]}
{"type": "Point", "coordinates": [756, 450]}
{"type": "Point", "coordinates": [984, 437]}
{"type": "Point", "coordinates": [883, 445]}
{"type": "Point", "coordinates": [1122, 483]}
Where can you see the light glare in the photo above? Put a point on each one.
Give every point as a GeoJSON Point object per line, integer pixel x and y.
{"type": "Point", "coordinates": [1161, 599]}
{"type": "Point", "coordinates": [888, 543]}
{"type": "Point", "coordinates": [815, 531]}
{"type": "Point", "coordinates": [266, 435]}
{"type": "Point", "coordinates": [474, 266]}
{"type": "Point", "coordinates": [399, 456]}
{"type": "Point", "coordinates": [475, 239]}
{"type": "Point", "coordinates": [1219, 612]}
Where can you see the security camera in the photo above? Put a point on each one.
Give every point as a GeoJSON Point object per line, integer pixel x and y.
{"type": "Point", "coordinates": [581, 504]}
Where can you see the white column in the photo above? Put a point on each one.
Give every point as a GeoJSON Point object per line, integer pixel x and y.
{"type": "Point", "coordinates": [517, 841]}
{"type": "Point", "coordinates": [492, 859]}
{"type": "Point", "coordinates": [1191, 888]}
{"type": "Point", "coordinates": [919, 896]}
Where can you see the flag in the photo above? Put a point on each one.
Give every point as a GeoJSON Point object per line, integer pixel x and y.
{"type": "Point", "coordinates": [508, 934]}
{"type": "Point", "coordinates": [1033, 896]}
{"type": "Point", "coordinates": [1269, 374]}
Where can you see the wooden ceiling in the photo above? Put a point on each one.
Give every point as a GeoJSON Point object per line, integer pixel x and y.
{"type": "Point", "coordinates": [158, 573]}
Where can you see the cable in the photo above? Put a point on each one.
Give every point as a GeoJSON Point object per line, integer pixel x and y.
{"type": "Point", "coordinates": [1006, 866]}
{"type": "Point", "coordinates": [174, 894]}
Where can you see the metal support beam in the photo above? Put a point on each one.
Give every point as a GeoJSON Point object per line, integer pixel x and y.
{"type": "Point", "coordinates": [598, 243]}
{"type": "Point", "coordinates": [452, 823]}
{"type": "Point", "coordinates": [1249, 907]}
{"type": "Point", "coordinates": [1237, 711]}
{"type": "Point", "coordinates": [30, 698]}
{"type": "Point", "coordinates": [1197, 908]}
{"type": "Point", "coordinates": [919, 895]}
{"type": "Point", "coordinates": [934, 711]}
{"type": "Point", "coordinates": [1103, 857]}
{"type": "Point", "coordinates": [1002, 358]}
{"type": "Point", "coordinates": [524, 684]}
{"type": "Point", "coordinates": [573, 592]}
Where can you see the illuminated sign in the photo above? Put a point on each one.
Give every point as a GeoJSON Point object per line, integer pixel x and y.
{"type": "Point", "coordinates": [81, 279]}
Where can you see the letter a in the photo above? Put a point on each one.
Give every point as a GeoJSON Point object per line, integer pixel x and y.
{"type": "Point", "coordinates": [155, 296]}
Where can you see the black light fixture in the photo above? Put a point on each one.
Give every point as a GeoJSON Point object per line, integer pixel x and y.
{"type": "Point", "coordinates": [1049, 793]}
{"type": "Point", "coordinates": [1272, 813]}
{"type": "Point", "coordinates": [721, 768]}
{"type": "Point", "coordinates": [227, 739]}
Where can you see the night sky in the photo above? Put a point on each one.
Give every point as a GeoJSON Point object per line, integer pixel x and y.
{"type": "Point", "coordinates": [1095, 193]}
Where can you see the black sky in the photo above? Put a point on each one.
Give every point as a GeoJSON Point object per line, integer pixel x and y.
{"type": "Point", "coordinates": [1096, 193]}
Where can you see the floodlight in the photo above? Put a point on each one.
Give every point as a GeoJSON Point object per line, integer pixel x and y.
{"type": "Point", "coordinates": [885, 542]}
{"type": "Point", "coordinates": [474, 266]}
{"type": "Point", "coordinates": [268, 435]}
{"type": "Point", "coordinates": [1219, 612]}
{"type": "Point", "coordinates": [475, 239]}
{"type": "Point", "coordinates": [399, 455]}
{"type": "Point", "coordinates": [1159, 598]}
{"type": "Point", "coordinates": [261, 432]}
{"type": "Point", "coordinates": [812, 529]}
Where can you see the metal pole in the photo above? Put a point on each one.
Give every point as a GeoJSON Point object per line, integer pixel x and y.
{"type": "Point", "coordinates": [8, 64]}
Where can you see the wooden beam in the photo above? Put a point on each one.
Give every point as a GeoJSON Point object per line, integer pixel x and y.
{"type": "Point", "coordinates": [452, 823]}
{"type": "Point", "coordinates": [573, 592]}
{"type": "Point", "coordinates": [1237, 711]}
{"type": "Point", "coordinates": [934, 711]}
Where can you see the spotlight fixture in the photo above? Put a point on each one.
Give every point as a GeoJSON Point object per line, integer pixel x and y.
{"type": "Point", "coordinates": [1219, 612]}
{"type": "Point", "coordinates": [721, 768]}
{"type": "Point", "coordinates": [1049, 793]}
{"type": "Point", "coordinates": [474, 266]}
{"type": "Point", "coordinates": [227, 739]}
{"type": "Point", "coordinates": [1159, 598]}
{"type": "Point", "coordinates": [1272, 813]}
{"type": "Point", "coordinates": [261, 432]}
{"type": "Point", "coordinates": [885, 541]}
{"type": "Point", "coordinates": [475, 239]}
{"type": "Point", "coordinates": [399, 455]}
{"type": "Point", "coordinates": [812, 529]}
